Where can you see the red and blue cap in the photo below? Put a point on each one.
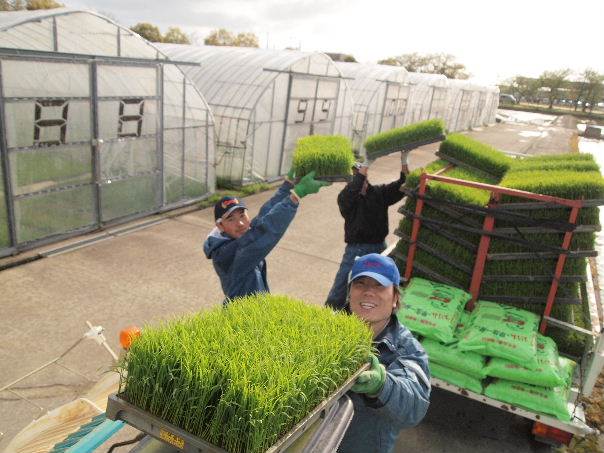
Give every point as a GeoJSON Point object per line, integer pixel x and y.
{"type": "Point", "coordinates": [379, 267]}
{"type": "Point", "coordinates": [226, 205]}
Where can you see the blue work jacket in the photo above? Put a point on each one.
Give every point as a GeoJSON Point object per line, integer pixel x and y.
{"type": "Point", "coordinates": [403, 401]}
{"type": "Point", "coordinates": [240, 263]}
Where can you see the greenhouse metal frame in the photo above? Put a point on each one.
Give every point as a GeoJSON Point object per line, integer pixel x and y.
{"type": "Point", "coordinates": [380, 94]}
{"type": "Point", "coordinates": [263, 101]}
{"type": "Point", "coordinates": [97, 128]}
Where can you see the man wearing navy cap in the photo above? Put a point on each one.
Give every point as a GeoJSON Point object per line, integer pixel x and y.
{"type": "Point", "coordinates": [365, 211]}
{"type": "Point", "coordinates": [238, 247]}
{"type": "Point", "coordinates": [395, 392]}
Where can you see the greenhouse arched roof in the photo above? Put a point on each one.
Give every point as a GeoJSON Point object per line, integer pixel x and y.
{"type": "Point", "coordinates": [237, 76]}
{"type": "Point", "coordinates": [366, 78]}
{"type": "Point", "coordinates": [72, 31]}
{"type": "Point", "coordinates": [438, 80]}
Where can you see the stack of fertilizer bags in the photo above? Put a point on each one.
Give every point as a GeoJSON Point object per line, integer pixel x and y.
{"type": "Point", "coordinates": [495, 349]}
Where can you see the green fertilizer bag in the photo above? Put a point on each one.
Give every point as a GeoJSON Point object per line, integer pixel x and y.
{"type": "Point", "coordinates": [450, 356]}
{"type": "Point", "coordinates": [502, 331]}
{"type": "Point", "coordinates": [567, 369]}
{"type": "Point", "coordinates": [432, 309]}
{"type": "Point", "coordinates": [551, 371]}
{"type": "Point", "coordinates": [539, 399]}
{"type": "Point", "coordinates": [455, 377]}
{"type": "Point", "coordinates": [464, 319]}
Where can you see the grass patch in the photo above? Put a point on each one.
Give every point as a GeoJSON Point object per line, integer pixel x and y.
{"type": "Point", "coordinates": [476, 154]}
{"type": "Point", "coordinates": [397, 138]}
{"type": "Point", "coordinates": [240, 377]}
{"type": "Point", "coordinates": [327, 155]}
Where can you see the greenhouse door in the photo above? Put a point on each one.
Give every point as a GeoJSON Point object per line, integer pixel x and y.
{"type": "Point", "coordinates": [395, 105]}
{"type": "Point", "coordinates": [128, 145]}
{"type": "Point", "coordinates": [46, 154]}
{"type": "Point", "coordinates": [311, 109]}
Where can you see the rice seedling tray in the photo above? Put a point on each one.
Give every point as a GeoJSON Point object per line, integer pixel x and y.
{"type": "Point", "coordinates": [464, 165]}
{"type": "Point", "coordinates": [406, 147]}
{"type": "Point", "coordinates": [336, 405]}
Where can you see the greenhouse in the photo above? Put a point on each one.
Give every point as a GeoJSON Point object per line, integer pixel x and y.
{"type": "Point", "coordinates": [263, 101]}
{"type": "Point", "coordinates": [380, 96]}
{"type": "Point", "coordinates": [492, 102]}
{"type": "Point", "coordinates": [98, 128]}
{"type": "Point", "coordinates": [470, 105]}
{"type": "Point", "coordinates": [427, 97]}
{"type": "Point", "coordinates": [460, 105]}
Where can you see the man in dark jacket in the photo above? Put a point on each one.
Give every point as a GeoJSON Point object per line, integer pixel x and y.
{"type": "Point", "coordinates": [365, 211]}
{"type": "Point", "coordinates": [238, 247]}
{"type": "Point", "coordinates": [395, 393]}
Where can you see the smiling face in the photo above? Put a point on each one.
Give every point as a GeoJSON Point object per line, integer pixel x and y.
{"type": "Point", "coordinates": [235, 224]}
{"type": "Point", "coordinates": [372, 302]}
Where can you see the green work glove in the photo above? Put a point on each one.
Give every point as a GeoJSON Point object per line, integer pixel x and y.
{"type": "Point", "coordinates": [372, 380]}
{"type": "Point", "coordinates": [308, 185]}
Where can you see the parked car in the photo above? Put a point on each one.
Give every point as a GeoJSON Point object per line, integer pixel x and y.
{"type": "Point", "coordinates": [507, 99]}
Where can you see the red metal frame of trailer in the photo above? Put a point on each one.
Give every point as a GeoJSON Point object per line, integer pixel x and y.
{"type": "Point", "coordinates": [488, 227]}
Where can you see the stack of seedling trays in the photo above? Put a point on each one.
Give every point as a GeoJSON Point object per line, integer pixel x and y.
{"type": "Point", "coordinates": [329, 156]}
{"type": "Point", "coordinates": [251, 377]}
{"type": "Point", "coordinates": [404, 138]}
{"type": "Point", "coordinates": [518, 272]}
{"type": "Point", "coordinates": [494, 351]}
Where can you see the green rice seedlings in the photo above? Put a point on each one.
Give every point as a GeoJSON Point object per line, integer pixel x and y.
{"type": "Point", "coordinates": [326, 155]}
{"type": "Point", "coordinates": [241, 377]}
{"type": "Point", "coordinates": [476, 154]}
{"type": "Point", "coordinates": [398, 138]}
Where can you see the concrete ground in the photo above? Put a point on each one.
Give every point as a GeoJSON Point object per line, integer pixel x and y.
{"type": "Point", "coordinates": [160, 271]}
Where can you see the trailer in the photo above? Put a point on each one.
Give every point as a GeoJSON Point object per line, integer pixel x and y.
{"type": "Point", "coordinates": [590, 365]}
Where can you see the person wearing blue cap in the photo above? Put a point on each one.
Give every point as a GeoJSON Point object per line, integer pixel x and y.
{"type": "Point", "coordinates": [395, 392]}
{"type": "Point", "coordinates": [238, 247]}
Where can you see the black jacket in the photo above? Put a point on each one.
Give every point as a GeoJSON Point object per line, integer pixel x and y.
{"type": "Point", "coordinates": [366, 216]}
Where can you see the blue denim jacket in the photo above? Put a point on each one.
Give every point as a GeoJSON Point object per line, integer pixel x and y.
{"type": "Point", "coordinates": [240, 263]}
{"type": "Point", "coordinates": [403, 401]}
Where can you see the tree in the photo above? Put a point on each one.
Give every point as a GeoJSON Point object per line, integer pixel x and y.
{"type": "Point", "coordinates": [223, 37]}
{"type": "Point", "coordinates": [42, 4]}
{"type": "Point", "coordinates": [148, 31]}
{"type": "Point", "coordinates": [246, 39]}
{"type": "Point", "coordinates": [554, 80]}
{"type": "Point", "coordinates": [220, 37]}
{"type": "Point", "coordinates": [432, 63]}
{"type": "Point", "coordinates": [347, 58]}
{"type": "Point", "coordinates": [176, 36]}
{"type": "Point", "coordinates": [522, 88]}
{"type": "Point", "coordinates": [591, 89]}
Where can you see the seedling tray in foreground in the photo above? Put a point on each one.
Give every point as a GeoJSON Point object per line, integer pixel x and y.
{"type": "Point", "coordinates": [120, 409]}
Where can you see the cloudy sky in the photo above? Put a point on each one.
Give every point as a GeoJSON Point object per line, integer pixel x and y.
{"type": "Point", "coordinates": [495, 40]}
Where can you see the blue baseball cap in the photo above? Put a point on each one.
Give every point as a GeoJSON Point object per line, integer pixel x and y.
{"type": "Point", "coordinates": [379, 267]}
{"type": "Point", "coordinates": [225, 206]}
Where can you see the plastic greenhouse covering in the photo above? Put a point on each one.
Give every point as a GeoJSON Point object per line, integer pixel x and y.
{"type": "Point", "coordinates": [427, 98]}
{"type": "Point", "coordinates": [380, 95]}
{"type": "Point", "coordinates": [263, 101]}
{"type": "Point", "coordinates": [99, 127]}
{"type": "Point", "coordinates": [459, 105]}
